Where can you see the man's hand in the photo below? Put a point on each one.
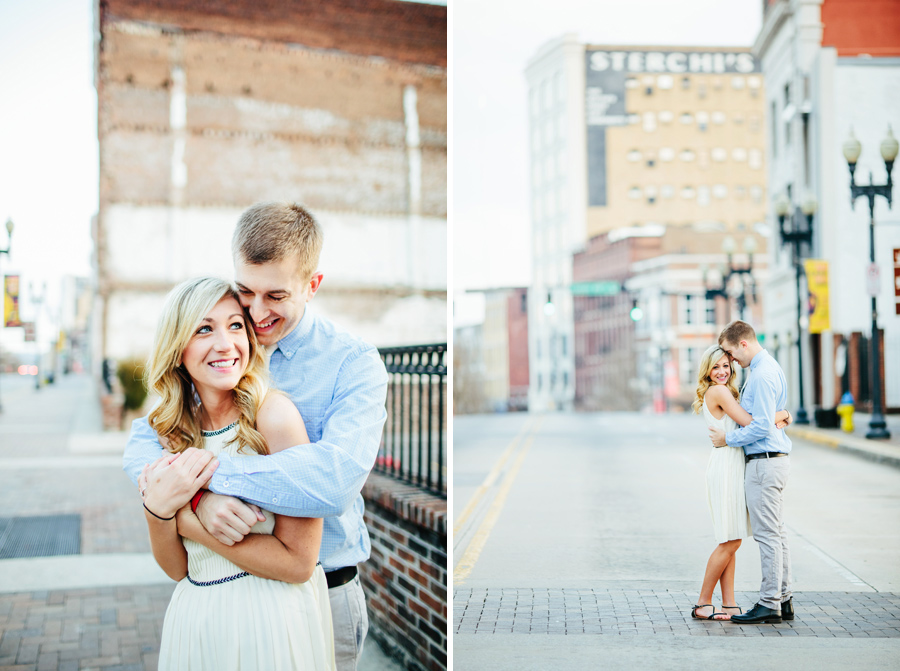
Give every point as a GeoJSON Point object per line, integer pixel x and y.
{"type": "Point", "coordinates": [717, 436]}
{"type": "Point", "coordinates": [226, 518]}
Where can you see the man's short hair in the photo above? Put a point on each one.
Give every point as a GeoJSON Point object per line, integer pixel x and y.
{"type": "Point", "coordinates": [268, 232]}
{"type": "Point", "coordinates": [737, 331]}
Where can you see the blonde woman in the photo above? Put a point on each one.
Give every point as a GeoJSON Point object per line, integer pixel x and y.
{"type": "Point", "coordinates": [261, 603]}
{"type": "Point", "coordinates": [717, 398]}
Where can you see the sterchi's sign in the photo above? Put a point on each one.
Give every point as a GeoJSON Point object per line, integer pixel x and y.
{"type": "Point", "coordinates": [605, 74]}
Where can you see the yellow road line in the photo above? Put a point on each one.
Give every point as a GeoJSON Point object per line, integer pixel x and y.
{"type": "Point", "coordinates": [490, 479]}
{"type": "Point", "coordinates": [473, 552]}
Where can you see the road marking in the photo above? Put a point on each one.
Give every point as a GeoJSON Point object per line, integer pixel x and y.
{"type": "Point", "coordinates": [834, 564]}
{"type": "Point", "coordinates": [491, 478]}
{"type": "Point", "coordinates": [473, 552]}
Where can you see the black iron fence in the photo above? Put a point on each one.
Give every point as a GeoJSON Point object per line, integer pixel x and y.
{"type": "Point", "coordinates": [413, 446]}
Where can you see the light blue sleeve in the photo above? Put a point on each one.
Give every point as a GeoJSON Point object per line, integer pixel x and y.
{"type": "Point", "coordinates": [322, 479]}
{"type": "Point", "coordinates": [143, 448]}
{"type": "Point", "coordinates": [763, 412]}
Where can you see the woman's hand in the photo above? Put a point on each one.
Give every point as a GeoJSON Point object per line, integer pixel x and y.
{"type": "Point", "coordinates": [173, 479]}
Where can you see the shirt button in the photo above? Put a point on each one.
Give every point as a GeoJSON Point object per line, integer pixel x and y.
{"type": "Point", "coordinates": [226, 483]}
{"type": "Point", "coordinates": [275, 500]}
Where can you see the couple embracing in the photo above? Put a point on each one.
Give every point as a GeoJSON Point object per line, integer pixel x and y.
{"type": "Point", "coordinates": [748, 470]}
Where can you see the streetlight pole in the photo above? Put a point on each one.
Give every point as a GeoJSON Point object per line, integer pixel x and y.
{"type": "Point", "coordinates": [729, 246]}
{"type": "Point", "coordinates": [9, 231]}
{"type": "Point", "coordinates": [796, 237]}
{"type": "Point", "coordinates": [852, 150]}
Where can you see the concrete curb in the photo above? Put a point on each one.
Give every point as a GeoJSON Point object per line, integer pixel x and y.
{"type": "Point", "coordinates": [882, 453]}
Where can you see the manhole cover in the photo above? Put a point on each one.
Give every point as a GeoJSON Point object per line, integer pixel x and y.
{"type": "Point", "coordinates": [41, 536]}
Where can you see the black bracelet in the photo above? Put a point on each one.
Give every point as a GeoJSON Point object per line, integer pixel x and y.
{"type": "Point", "coordinates": [164, 519]}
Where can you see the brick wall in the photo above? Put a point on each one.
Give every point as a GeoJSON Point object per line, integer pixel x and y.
{"type": "Point", "coordinates": [405, 579]}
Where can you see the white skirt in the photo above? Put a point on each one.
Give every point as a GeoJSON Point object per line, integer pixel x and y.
{"type": "Point", "coordinates": [725, 494]}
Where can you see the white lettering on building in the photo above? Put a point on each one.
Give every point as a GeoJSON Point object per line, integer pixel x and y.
{"type": "Point", "coordinates": [675, 61]}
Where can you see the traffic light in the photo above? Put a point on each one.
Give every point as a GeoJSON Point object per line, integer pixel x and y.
{"type": "Point", "coordinates": [636, 313]}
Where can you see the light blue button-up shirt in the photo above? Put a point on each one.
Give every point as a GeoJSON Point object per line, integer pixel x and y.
{"type": "Point", "coordinates": [764, 394]}
{"type": "Point", "coordinates": [339, 384]}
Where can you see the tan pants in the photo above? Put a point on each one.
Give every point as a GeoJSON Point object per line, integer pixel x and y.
{"type": "Point", "coordinates": [764, 482]}
{"type": "Point", "coordinates": [351, 623]}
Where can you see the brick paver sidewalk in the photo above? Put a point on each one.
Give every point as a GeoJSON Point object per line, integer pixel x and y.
{"type": "Point", "coordinates": [630, 612]}
{"type": "Point", "coordinates": [114, 628]}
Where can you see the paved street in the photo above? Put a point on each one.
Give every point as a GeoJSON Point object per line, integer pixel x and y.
{"type": "Point", "coordinates": [103, 607]}
{"type": "Point", "coordinates": [595, 527]}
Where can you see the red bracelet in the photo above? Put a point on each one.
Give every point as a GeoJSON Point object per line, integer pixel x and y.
{"type": "Point", "coordinates": [196, 500]}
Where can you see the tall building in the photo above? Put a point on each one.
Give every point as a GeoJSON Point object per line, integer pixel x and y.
{"type": "Point", "coordinates": [832, 66]}
{"type": "Point", "coordinates": [636, 143]}
{"type": "Point", "coordinates": [205, 109]}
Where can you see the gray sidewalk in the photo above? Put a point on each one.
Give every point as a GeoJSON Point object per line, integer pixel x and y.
{"type": "Point", "coordinates": [102, 608]}
{"type": "Point", "coordinates": [856, 443]}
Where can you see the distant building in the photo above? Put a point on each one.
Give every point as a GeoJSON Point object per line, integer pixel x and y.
{"type": "Point", "coordinates": [505, 343]}
{"type": "Point", "coordinates": [637, 142]}
{"type": "Point", "coordinates": [832, 65]}
{"type": "Point", "coordinates": [206, 109]}
{"type": "Point", "coordinates": [469, 371]}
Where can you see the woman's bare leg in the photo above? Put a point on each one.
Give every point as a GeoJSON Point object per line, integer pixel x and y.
{"type": "Point", "coordinates": [718, 563]}
{"type": "Point", "coordinates": [726, 581]}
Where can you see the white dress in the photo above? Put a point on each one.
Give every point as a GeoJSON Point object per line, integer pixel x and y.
{"type": "Point", "coordinates": [247, 623]}
{"type": "Point", "coordinates": [725, 485]}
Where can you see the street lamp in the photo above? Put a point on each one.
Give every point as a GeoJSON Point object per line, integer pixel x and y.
{"type": "Point", "coordinates": [729, 246]}
{"type": "Point", "coordinates": [9, 231]}
{"type": "Point", "coordinates": [852, 150]}
{"type": "Point", "coordinates": [800, 233]}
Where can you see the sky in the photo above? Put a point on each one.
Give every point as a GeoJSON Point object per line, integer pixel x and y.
{"type": "Point", "coordinates": [48, 142]}
{"type": "Point", "coordinates": [492, 40]}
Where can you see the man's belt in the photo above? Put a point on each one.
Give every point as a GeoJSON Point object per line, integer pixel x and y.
{"type": "Point", "coordinates": [340, 576]}
{"type": "Point", "coordinates": [766, 455]}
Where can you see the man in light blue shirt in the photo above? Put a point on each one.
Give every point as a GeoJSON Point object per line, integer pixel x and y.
{"type": "Point", "coordinates": [338, 384]}
{"type": "Point", "coordinates": [766, 449]}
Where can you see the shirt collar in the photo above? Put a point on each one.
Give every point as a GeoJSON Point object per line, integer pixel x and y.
{"type": "Point", "coordinates": [292, 341]}
{"type": "Point", "coordinates": [754, 362]}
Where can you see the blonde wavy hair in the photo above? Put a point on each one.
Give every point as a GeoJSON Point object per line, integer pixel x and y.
{"type": "Point", "coordinates": [176, 418]}
{"type": "Point", "coordinates": [707, 361]}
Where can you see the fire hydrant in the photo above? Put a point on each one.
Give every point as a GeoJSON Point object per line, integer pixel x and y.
{"type": "Point", "coordinates": [845, 410]}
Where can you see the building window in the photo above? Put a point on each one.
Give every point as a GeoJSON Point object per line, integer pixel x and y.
{"type": "Point", "coordinates": [739, 154]}
{"type": "Point", "coordinates": [720, 191]}
{"type": "Point", "coordinates": [703, 195]}
{"type": "Point", "coordinates": [634, 155]}
{"type": "Point", "coordinates": [755, 159]}
{"type": "Point", "coordinates": [649, 122]}
{"type": "Point", "coordinates": [702, 121]}
{"type": "Point", "coordinates": [756, 194]}
{"type": "Point", "coordinates": [737, 83]}
{"type": "Point", "coordinates": [718, 118]}
{"type": "Point", "coordinates": [687, 156]}
{"type": "Point", "coordinates": [688, 315]}
{"type": "Point", "coordinates": [774, 115]}
{"type": "Point", "coordinates": [666, 154]}
{"type": "Point", "coordinates": [667, 191]}
{"type": "Point", "coordinates": [685, 82]}
{"type": "Point", "coordinates": [666, 116]}
{"type": "Point", "coordinates": [719, 155]}
{"type": "Point", "coordinates": [634, 193]}
{"type": "Point", "coordinates": [687, 192]}
{"type": "Point", "coordinates": [787, 123]}
{"type": "Point", "coordinates": [710, 311]}
{"type": "Point", "coordinates": [740, 192]}
{"type": "Point", "coordinates": [665, 81]}
{"type": "Point", "coordinates": [686, 118]}
{"type": "Point", "coordinates": [632, 83]}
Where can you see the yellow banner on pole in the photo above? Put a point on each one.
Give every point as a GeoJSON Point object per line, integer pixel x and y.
{"type": "Point", "coordinates": [817, 282]}
{"type": "Point", "coordinates": [11, 301]}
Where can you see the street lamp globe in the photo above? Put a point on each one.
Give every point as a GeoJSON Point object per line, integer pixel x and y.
{"type": "Point", "coordinates": [9, 226]}
{"type": "Point", "coordinates": [852, 149]}
{"type": "Point", "coordinates": [782, 205]}
{"type": "Point", "coordinates": [750, 245]}
{"type": "Point", "coordinates": [809, 205]}
{"type": "Point", "coordinates": [889, 147]}
{"type": "Point", "coordinates": [729, 245]}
